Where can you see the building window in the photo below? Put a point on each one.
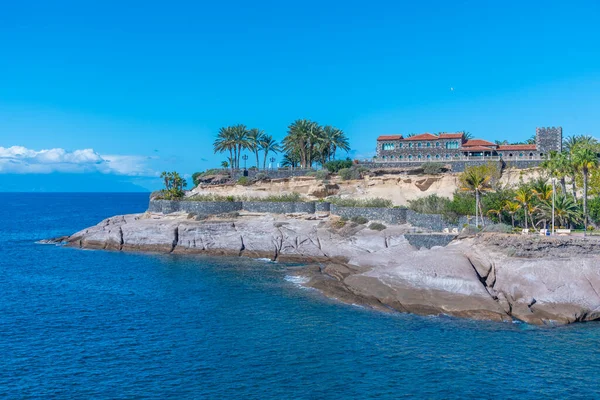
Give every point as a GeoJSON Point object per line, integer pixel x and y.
{"type": "Point", "coordinates": [388, 146]}
{"type": "Point", "coordinates": [391, 157]}
{"type": "Point", "coordinates": [530, 154]}
{"type": "Point", "coordinates": [400, 157]}
{"type": "Point", "coordinates": [510, 154]}
{"type": "Point", "coordinates": [410, 156]}
{"type": "Point", "coordinates": [437, 156]}
{"type": "Point", "coordinates": [428, 144]}
{"type": "Point", "coordinates": [452, 145]}
{"type": "Point", "coordinates": [420, 145]}
{"type": "Point", "coordinates": [456, 156]}
{"type": "Point", "coordinates": [410, 145]}
{"type": "Point", "coordinates": [383, 157]}
{"type": "Point", "coordinates": [500, 154]}
{"type": "Point", "coordinates": [399, 145]}
{"type": "Point", "coordinates": [437, 144]}
{"type": "Point", "coordinates": [520, 154]}
{"type": "Point", "coordinates": [428, 156]}
{"type": "Point", "coordinates": [447, 155]}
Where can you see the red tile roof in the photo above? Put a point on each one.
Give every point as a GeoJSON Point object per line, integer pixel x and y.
{"type": "Point", "coordinates": [422, 136]}
{"type": "Point", "coordinates": [390, 137]}
{"type": "Point", "coordinates": [478, 142]}
{"type": "Point", "coordinates": [450, 136]}
{"type": "Point", "coordinates": [517, 147]}
{"type": "Point", "coordinates": [478, 148]}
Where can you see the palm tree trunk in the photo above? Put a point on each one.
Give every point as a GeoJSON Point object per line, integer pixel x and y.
{"type": "Point", "coordinates": [563, 185]}
{"type": "Point", "coordinates": [525, 211]}
{"type": "Point", "coordinates": [512, 217]}
{"type": "Point", "coordinates": [257, 162]}
{"type": "Point", "coordinates": [585, 189]}
{"type": "Point", "coordinates": [574, 188]}
{"type": "Point", "coordinates": [476, 207]}
{"type": "Point", "coordinates": [265, 160]}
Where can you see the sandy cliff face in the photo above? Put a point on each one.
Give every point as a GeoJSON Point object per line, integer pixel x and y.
{"type": "Point", "coordinates": [537, 280]}
{"type": "Point", "coordinates": [397, 188]}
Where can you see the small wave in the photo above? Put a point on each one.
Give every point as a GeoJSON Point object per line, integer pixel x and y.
{"type": "Point", "coordinates": [265, 260]}
{"type": "Point", "coordinates": [298, 280]}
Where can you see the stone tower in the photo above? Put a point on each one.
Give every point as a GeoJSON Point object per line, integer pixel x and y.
{"type": "Point", "coordinates": [548, 139]}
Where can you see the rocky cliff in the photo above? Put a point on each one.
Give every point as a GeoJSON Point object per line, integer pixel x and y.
{"type": "Point", "coordinates": [497, 277]}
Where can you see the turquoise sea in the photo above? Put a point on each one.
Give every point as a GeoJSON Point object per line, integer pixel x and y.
{"type": "Point", "coordinates": [107, 325]}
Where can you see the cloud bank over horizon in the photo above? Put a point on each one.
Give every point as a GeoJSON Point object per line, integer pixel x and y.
{"type": "Point", "coordinates": [21, 160]}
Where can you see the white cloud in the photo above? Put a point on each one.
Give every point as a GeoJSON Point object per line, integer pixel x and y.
{"type": "Point", "coordinates": [21, 160]}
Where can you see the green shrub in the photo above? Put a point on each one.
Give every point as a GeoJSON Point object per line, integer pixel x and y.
{"type": "Point", "coordinates": [335, 165]}
{"type": "Point", "coordinates": [261, 176]}
{"type": "Point", "coordinates": [376, 226]}
{"type": "Point", "coordinates": [359, 220]}
{"type": "Point", "coordinates": [322, 175]}
{"type": "Point", "coordinates": [349, 174]}
{"type": "Point", "coordinates": [432, 168]}
{"type": "Point", "coordinates": [374, 202]}
{"type": "Point", "coordinates": [283, 198]}
{"type": "Point", "coordinates": [244, 181]}
{"type": "Point", "coordinates": [209, 197]}
{"type": "Point", "coordinates": [432, 204]}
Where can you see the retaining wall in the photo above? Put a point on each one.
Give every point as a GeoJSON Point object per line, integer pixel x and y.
{"type": "Point", "coordinates": [394, 216]}
{"type": "Point", "coordinates": [279, 207]}
{"type": "Point", "coordinates": [196, 207]}
{"type": "Point", "coordinates": [429, 241]}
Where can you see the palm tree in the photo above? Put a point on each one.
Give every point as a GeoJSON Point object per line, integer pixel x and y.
{"type": "Point", "coordinates": [476, 179]}
{"type": "Point", "coordinates": [566, 210]}
{"type": "Point", "coordinates": [240, 136]}
{"type": "Point", "coordinates": [335, 139]}
{"type": "Point", "coordinates": [467, 135]}
{"type": "Point", "coordinates": [511, 208]}
{"type": "Point", "coordinates": [268, 145]}
{"type": "Point", "coordinates": [585, 159]}
{"type": "Point", "coordinates": [541, 189]}
{"type": "Point", "coordinates": [558, 165]}
{"type": "Point", "coordinates": [290, 159]}
{"type": "Point", "coordinates": [302, 137]}
{"type": "Point", "coordinates": [497, 212]}
{"type": "Point", "coordinates": [524, 196]}
{"type": "Point", "coordinates": [225, 164]}
{"type": "Point", "coordinates": [254, 138]}
{"type": "Point", "coordinates": [226, 142]}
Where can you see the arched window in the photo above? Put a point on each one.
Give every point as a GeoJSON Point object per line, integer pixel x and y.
{"type": "Point", "coordinates": [520, 154]}
{"type": "Point", "coordinates": [437, 156]}
{"type": "Point", "coordinates": [420, 145]}
{"type": "Point", "coordinates": [447, 155]}
{"type": "Point", "coordinates": [428, 144]}
{"type": "Point", "coordinates": [400, 157]}
{"type": "Point", "coordinates": [429, 156]}
{"type": "Point", "coordinates": [510, 154]}
{"type": "Point", "coordinates": [399, 145]}
{"type": "Point", "coordinates": [391, 157]}
{"type": "Point", "coordinates": [530, 154]}
{"type": "Point", "coordinates": [410, 156]}
{"type": "Point", "coordinates": [383, 158]}
{"type": "Point", "coordinates": [456, 156]}
{"type": "Point", "coordinates": [419, 156]}
{"type": "Point", "coordinates": [410, 145]}
{"type": "Point", "coordinates": [437, 144]}
{"type": "Point", "coordinates": [388, 146]}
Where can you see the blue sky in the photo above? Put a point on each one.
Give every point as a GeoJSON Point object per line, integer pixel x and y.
{"type": "Point", "coordinates": [127, 89]}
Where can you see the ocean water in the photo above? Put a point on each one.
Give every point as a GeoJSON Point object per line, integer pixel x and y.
{"type": "Point", "coordinates": [106, 325]}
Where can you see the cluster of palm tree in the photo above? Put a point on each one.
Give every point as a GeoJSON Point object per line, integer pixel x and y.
{"type": "Point", "coordinates": [308, 142]}
{"type": "Point", "coordinates": [577, 161]}
{"type": "Point", "coordinates": [305, 144]}
{"type": "Point", "coordinates": [174, 185]}
{"type": "Point", "coordinates": [237, 138]}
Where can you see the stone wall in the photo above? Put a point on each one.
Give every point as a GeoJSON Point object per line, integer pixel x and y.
{"type": "Point", "coordinates": [394, 216]}
{"type": "Point", "coordinates": [273, 173]}
{"type": "Point", "coordinates": [196, 207]}
{"type": "Point", "coordinates": [548, 139]}
{"type": "Point", "coordinates": [279, 207]}
{"type": "Point", "coordinates": [429, 241]}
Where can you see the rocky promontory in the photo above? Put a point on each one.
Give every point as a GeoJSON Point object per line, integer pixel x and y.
{"type": "Point", "coordinates": [539, 280]}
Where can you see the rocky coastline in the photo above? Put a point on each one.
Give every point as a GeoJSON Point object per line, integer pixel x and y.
{"type": "Point", "coordinates": [537, 280]}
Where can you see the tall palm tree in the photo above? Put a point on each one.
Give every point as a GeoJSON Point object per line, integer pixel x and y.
{"type": "Point", "coordinates": [301, 138]}
{"type": "Point", "coordinates": [290, 159]}
{"type": "Point", "coordinates": [226, 142]}
{"type": "Point", "coordinates": [254, 138]}
{"type": "Point", "coordinates": [335, 139]}
{"type": "Point", "coordinates": [566, 210]}
{"type": "Point", "coordinates": [240, 135]}
{"type": "Point", "coordinates": [559, 166]}
{"type": "Point", "coordinates": [268, 145]}
{"type": "Point", "coordinates": [524, 196]}
{"type": "Point", "coordinates": [541, 189]}
{"type": "Point", "coordinates": [584, 160]}
{"type": "Point", "coordinates": [511, 208]}
{"type": "Point", "coordinates": [476, 179]}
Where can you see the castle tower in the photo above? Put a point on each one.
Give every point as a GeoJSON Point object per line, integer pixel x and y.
{"type": "Point", "coordinates": [548, 139]}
